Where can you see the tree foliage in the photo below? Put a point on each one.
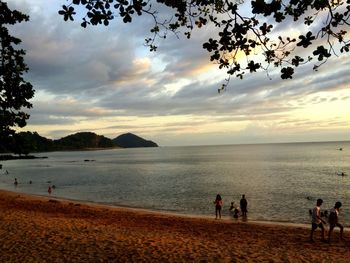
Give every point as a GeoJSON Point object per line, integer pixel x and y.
{"type": "Point", "coordinates": [15, 92]}
{"type": "Point", "coordinates": [324, 31]}
{"type": "Point", "coordinates": [26, 142]}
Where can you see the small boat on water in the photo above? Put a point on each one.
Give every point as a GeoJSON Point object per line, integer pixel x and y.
{"type": "Point", "coordinates": [341, 174]}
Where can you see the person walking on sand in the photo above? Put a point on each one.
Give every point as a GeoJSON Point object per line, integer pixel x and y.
{"type": "Point", "coordinates": [243, 204]}
{"type": "Point", "coordinates": [316, 220]}
{"type": "Point", "coordinates": [218, 205]}
{"type": "Point", "coordinates": [333, 220]}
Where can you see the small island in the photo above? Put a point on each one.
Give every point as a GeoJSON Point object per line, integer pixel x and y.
{"type": "Point", "coordinates": [129, 140]}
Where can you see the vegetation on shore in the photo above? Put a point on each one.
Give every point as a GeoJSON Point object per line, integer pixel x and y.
{"type": "Point", "coordinates": [26, 142]}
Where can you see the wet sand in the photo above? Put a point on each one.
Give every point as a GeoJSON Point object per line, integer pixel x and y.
{"type": "Point", "coordinates": [40, 229]}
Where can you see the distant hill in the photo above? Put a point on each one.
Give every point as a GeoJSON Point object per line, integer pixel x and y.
{"type": "Point", "coordinates": [27, 142]}
{"type": "Point", "coordinates": [129, 140]}
{"type": "Point", "coordinates": [83, 140]}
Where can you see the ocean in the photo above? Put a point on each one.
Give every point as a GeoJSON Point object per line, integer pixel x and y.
{"type": "Point", "coordinates": [281, 181]}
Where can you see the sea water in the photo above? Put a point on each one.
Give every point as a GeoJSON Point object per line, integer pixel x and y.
{"type": "Point", "coordinates": [281, 181]}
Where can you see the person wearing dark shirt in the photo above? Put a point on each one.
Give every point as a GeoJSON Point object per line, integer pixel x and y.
{"type": "Point", "coordinates": [243, 204]}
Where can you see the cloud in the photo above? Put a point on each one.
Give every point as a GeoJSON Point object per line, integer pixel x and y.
{"type": "Point", "coordinates": [44, 119]}
{"type": "Point", "coordinates": [66, 59]}
{"type": "Point", "coordinates": [105, 75]}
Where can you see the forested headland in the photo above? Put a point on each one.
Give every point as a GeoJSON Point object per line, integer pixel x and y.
{"type": "Point", "coordinates": [31, 142]}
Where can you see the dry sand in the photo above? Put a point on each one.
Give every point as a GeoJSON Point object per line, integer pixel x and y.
{"type": "Point", "coordinates": [38, 229]}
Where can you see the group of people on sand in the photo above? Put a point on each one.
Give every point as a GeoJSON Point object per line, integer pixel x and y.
{"type": "Point", "coordinates": [241, 210]}
{"type": "Point", "coordinates": [318, 222]}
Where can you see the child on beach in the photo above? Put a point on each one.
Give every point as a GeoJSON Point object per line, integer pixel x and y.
{"type": "Point", "coordinates": [317, 221]}
{"type": "Point", "coordinates": [333, 220]}
{"type": "Point", "coordinates": [234, 209]}
{"type": "Point", "coordinates": [218, 204]}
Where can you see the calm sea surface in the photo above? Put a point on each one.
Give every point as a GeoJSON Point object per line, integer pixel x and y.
{"type": "Point", "coordinates": [280, 181]}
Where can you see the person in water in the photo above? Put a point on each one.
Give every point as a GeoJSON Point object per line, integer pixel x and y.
{"type": "Point", "coordinates": [243, 204]}
{"type": "Point", "coordinates": [316, 220]}
{"type": "Point", "coordinates": [49, 190]}
{"type": "Point", "coordinates": [16, 182]}
{"type": "Point", "coordinates": [333, 220]}
{"type": "Point", "coordinates": [232, 206]}
{"type": "Point", "coordinates": [218, 205]}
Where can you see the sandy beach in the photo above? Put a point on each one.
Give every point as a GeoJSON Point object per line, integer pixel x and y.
{"type": "Point", "coordinates": [40, 229]}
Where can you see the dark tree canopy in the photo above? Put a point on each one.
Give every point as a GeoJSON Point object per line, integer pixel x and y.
{"type": "Point", "coordinates": [14, 90]}
{"type": "Point", "coordinates": [324, 32]}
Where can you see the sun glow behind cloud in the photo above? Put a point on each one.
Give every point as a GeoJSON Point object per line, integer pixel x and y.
{"type": "Point", "coordinates": [327, 106]}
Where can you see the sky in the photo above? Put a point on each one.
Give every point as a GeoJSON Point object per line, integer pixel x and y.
{"type": "Point", "coordinates": [104, 80]}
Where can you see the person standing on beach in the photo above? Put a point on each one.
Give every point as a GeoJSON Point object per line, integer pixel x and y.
{"type": "Point", "coordinates": [243, 204]}
{"type": "Point", "coordinates": [317, 221]}
{"type": "Point", "coordinates": [333, 220]}
{"type": "Point", "coordinates": [218, 205]}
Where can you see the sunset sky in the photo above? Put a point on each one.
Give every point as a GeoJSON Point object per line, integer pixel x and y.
{"type": "Point", "coordinates": [104, 80]}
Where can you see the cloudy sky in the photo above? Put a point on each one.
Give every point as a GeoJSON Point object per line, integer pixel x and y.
{"type": "Point", "coordinates": [104, 80]}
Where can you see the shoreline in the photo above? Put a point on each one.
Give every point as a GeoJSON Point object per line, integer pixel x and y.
{"type": "Point", "coordinates": [159, 212]}
{"type": "Point", "coordinates": [15, 157]}
{"type": "Point", "coordinates": [10, 157]}
{"type": "Point", "coordinates": [38, 228]}
{"type": "Point", "coordinates": [165, 212]}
